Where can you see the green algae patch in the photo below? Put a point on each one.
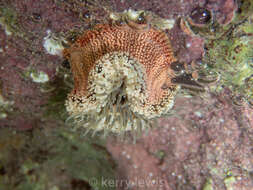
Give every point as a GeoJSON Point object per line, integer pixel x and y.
{"type": "Point", "coordinates": [52, 159]}
{"type": "Point", "coordinates": [160, 154]}
{"type": "Point", "coordinates": [57, 90]}
{"type": "Point", "coordinates": [5, 107]}
{"type": "Point", "coordinates": [208, 185]}
{"type": "Point", "coordinates": [229, 181]}
{"type": "Point", "coordinates": [231, 56]}
{"type": "Point", "coordinates": [9, 21]}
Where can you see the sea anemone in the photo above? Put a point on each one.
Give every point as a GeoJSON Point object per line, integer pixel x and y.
{"type": "Point", "coordinates": [122, 75]}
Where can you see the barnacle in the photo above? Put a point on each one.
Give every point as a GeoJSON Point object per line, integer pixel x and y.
{"type": "Point", "coordinates": [122, 75]}
{"type": "Point", "coordinates": [194, 77]}
{"type": "Point", "coordinates": [201, 21]}
{"type": "Point", "coordinates": [200, 16]}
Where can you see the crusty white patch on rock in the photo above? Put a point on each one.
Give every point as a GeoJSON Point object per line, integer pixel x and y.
{"type": "Point", "coordinates": [53, 44]}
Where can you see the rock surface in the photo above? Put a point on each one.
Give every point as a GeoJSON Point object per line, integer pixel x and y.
{"type": "Point", "coordinates": [205, 143]}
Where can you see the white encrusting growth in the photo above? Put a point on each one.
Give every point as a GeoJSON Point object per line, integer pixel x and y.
{"type": "Point", "coordinates": [132, 14]}
{"type": "Point", "coordinates": [39, 77]}
{"type": "Point", "coordinates": [53, 44]}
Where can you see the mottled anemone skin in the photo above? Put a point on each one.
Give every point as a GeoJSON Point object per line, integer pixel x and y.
{"type": "Point", "coordinates": [122, 77]}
